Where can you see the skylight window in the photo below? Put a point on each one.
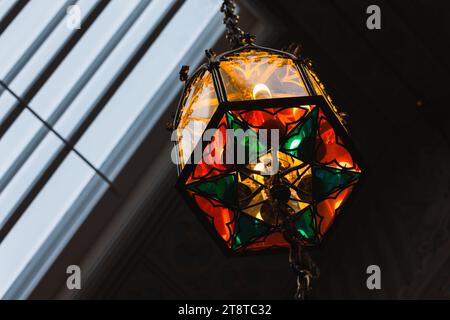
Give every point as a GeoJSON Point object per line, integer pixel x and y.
{"type": "Point", "coordinates": [101, 89]}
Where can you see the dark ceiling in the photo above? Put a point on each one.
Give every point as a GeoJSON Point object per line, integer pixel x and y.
{"type": "Point", "coordinates": [393, 83]}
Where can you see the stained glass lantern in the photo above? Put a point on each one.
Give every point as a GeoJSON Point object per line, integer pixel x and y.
{"type": "Point", "coordinates": [254, 88]}
{"type": "Point", "coordinates": [285, 192]}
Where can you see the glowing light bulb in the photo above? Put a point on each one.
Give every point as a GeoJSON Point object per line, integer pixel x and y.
{"type": "Point", "coordinates": [261, 91]}
{"type": "Point", "coordinates": [260, 167]}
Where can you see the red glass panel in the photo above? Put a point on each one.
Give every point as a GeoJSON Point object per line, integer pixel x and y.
{"type": "Point", "coordinates": [283, 119]}
{"type": "Point", "coordinates": [274, 239]}
{"type": "Point", "coordinates": [212, 164]}
{"type": "Point", "coordinates": [221, 217]}
{"type": "Point", "coordinates": [326, 209]}
{"type": "Point", "coordinates": [330, 149]}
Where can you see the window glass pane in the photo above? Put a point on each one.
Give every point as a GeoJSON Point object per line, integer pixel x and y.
{"type": "Point", "coordinates": [20, 81]}
{"type": "Point", "coordinates": [24, 135]}
{"type": "Point", "coordinates": [85, 57]}
{"type": "Point", "coordinates": [112, 67]}
{"type": "Point", "coordinates": [41, 218]}
{"type": "Point", "coordinates": [15, 140]}
{"type": "Point", "coordinates": [162, 59]}
{"type": "Point", "coordinates": [75, 87]}
{"type": "Point", "coordinates": [24, 30]}
{"type": "Point", "coordinates": [17, 188]}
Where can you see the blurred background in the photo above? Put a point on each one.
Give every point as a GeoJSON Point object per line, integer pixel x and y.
{"type": "Point", "coordinates": [86, 178]}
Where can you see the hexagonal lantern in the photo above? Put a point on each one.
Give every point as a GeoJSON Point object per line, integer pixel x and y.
{"type": "Point", "coordinates": [246, 206]}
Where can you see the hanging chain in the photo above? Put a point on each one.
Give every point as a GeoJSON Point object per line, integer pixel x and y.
{"type": "Point", "coordinates": [234, 33]}
{"type": "Point", "coordinates": [305, 269]}
{"type": "Point", "coordinates": [299, 259]}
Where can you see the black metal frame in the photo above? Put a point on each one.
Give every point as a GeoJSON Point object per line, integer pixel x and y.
{"type": "Point", "coordinates": [318, 101]}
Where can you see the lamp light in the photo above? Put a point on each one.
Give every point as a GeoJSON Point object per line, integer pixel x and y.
{"type": "Point", "coordinates": [261, 204]}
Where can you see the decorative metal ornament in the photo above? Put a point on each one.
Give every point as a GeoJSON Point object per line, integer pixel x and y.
{"type": "Point", "coordinates": [250, 207]}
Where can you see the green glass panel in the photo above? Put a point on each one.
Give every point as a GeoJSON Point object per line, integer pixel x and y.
{"type": "Point", "coordinates": [247, 230]}
{"type": "Point", "coordinates": [233, 122]}
{"type": "Point", "coordinates": [326, 180]}
{"type": "Point", "coordinates": [300, 141]}
{"type": "Point", "coordinates": [222, 188]}
{"type": "Point", "coordinates": [245, 138]}
{"type": "Point", "coordinates": [304, 224]}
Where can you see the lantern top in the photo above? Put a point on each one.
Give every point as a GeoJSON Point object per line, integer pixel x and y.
{"type": "Point", "coordinates": [247, 73]}
{"type": "Point", "coordinates": [253, 73]}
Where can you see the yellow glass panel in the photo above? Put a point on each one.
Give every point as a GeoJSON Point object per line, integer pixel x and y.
{"type": "Point", "coordinates": [198, 105]}
{"type": "Point", "coordinates": [255, 183]}
{"type": "Point", "coordinates": [297, 205]}
{"type": "Point", "coordinates": [255, 211]}
{"type": "Point", "coordinates": [263, 211]}
{"type": "Point", "coordinates": [188, 137]}
{"type": "Point", "coordinates": [301, 179]}
{"type": "Point", "coordinates": [255, 74]}
{"type": "Point", "coordinates": [252, 190]}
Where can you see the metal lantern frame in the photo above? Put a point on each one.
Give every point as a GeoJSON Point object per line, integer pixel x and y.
{"type": "Point", "coordinates": [313, 99]}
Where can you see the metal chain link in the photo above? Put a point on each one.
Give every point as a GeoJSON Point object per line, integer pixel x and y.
{"type": "Point", "coordinates": [234, 33]}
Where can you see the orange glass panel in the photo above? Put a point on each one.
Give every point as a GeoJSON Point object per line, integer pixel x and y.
{"type": "Point", "coordinates": [326, 209]}
{"type": "Point", "coordinates": [198, 105]}
{"type": "Point", "coordinates": [253, 74]}
{"type": "Point", "coordinates": [330, 149]}
{"type": "Point", "coordinates": [221, 217]}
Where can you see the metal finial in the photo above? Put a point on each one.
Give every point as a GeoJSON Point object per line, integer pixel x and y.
{"type": "Point", "coordinates": [235, 35]}
{"type": "Point", "coordinates": [184, 73]}
{"type": "Point", "coordinates": [210, 54]}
